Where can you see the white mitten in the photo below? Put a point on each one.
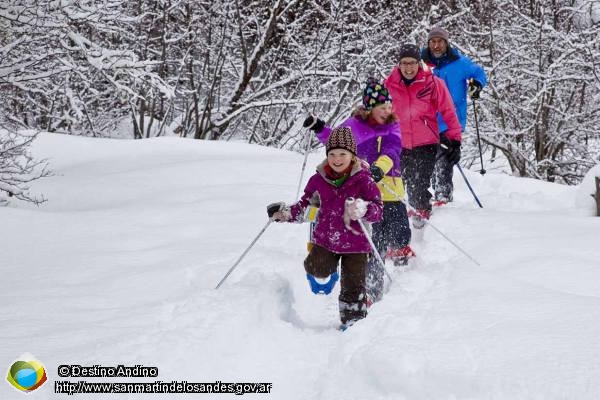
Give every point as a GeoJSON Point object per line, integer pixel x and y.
{"type": "Point", "coordinates": [282, 216]}
{"type": "Point", "coordinates": [279, 212]}
{"type": "Point", "coordinates": [351, 212]}
{"type": "Point", "coordinates": [357, 209]}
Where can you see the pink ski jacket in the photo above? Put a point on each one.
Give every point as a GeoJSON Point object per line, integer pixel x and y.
{"type": "Point", "coordinates": [417, 105]}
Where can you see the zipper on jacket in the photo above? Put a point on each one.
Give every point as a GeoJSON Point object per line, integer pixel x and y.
{"type": "Point", "coordinates": [410, 118]}
{"type": "Point", "coordinates": [436, 135]}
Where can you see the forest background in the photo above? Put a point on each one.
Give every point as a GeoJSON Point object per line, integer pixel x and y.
{"type": "Point", "coordinates": [252, 70]}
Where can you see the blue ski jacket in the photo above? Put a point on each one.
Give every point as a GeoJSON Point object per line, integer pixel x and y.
{"type": "Point", "coordinates": [455, 69]}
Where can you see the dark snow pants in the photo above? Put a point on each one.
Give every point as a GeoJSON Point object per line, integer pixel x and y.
{"type": "Point", "coordinates": [442, 178]}
{"type": "Point", "coordinates": [417, 169]}
{"type": "Point", "coordinates": [392, 232]}
{"type": "Point", "coordinates": [321, 263]}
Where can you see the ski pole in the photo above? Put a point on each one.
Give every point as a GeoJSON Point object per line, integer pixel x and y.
{"type": "Point", "coordinates": [482, 171]}
{"type": "Point", "coordinates": [244, 253]}
{"type": "Point", "coordinates": [375, 251]}
{"type": "Point", "coordinates": [386, 187]}
{"type": "Point", "coordinates": [443, 146]}
{"type": "Point", "coordinates": [306, 151]}
{"type": "Point", "coordinates": [350, 200]}
{"type": "Point", "coordinates": [452, 243]}
{"type": "Point", "coordinates": [457, 165]}
{"type": "Point", "coordinates": [469, 186]}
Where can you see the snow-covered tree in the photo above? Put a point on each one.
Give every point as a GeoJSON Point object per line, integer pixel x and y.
{"type": "Point", "coordinates": [18, 168]}
{"type": "Point", "coordinates": [253, 70]}
{"type": "Point", "coordinates": [65, 65]}
{"type": "Point", "coordinates": [541, 109]}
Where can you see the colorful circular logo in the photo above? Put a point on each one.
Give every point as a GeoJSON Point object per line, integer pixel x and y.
{"type": "Point", "coordinates": [26, 374]}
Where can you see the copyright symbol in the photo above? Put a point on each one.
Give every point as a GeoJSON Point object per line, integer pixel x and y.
{"type": "Point", "coordinates": [64, 371]}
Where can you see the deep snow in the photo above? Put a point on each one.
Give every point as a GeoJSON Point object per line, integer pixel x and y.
{"type": "Point", "coordinates": [120, 265]}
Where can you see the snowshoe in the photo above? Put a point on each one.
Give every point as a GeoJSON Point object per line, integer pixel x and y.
{"type": "Point", "coordinates": [440, 200]}
{"type": "Point", "coordinates": [400, 256]}
{"type": "Point", "coordinates": [419, 218]}
{"type": "Point", "coordinates": [322, 287]}
{"type": "Point", "coordinates": [439, 203]}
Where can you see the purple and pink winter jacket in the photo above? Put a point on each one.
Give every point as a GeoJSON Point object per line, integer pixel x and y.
{"type": "Point", "coordinates": [417, 105]}
{"type": "Point", "coordinates": [330, 231]}
{"type": "Point", "coordinates": [375, 142]}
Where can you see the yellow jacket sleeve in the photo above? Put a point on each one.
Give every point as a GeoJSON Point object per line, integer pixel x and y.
{"type": "Point", "coordinates": [385, 163]}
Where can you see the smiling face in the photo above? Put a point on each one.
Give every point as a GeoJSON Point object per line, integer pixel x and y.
{"type": "Point", "coordinates": [339, 159]}
{"type": "Point", "coordinates": [381, 113]}
{"type": "Point", "coordinates": [437, 46]}
{"type": "Point", "coordinates": [409, 67]}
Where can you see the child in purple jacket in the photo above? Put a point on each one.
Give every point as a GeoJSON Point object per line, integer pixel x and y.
{"type": "Point", "coordinates": [338, 234]}
{"type": "Point", "coordinates": [377, 133]}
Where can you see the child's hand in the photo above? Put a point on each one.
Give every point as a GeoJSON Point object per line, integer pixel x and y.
{"type": "Point", "coordinates": [281, 216]}
{"type": "Point", "coordinates": [279, 212]}
{"type": "Point", "coordinates": [356, 209]}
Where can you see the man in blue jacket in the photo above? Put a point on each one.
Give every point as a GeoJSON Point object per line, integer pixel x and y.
{"type": "Point", "coordinates": [462, 76]}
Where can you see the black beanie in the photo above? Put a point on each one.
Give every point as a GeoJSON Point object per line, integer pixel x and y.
{"type": "Point", "coordinates": [410, 50]}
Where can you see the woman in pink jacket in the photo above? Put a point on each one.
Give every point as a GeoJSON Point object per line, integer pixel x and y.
{"type": "Point", "coordinates": [417, 97]}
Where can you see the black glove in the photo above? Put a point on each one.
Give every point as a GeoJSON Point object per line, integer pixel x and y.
{"type": "Point", "coordinates": [314, 124]}
{"type": "Point", "coordinates": [451, 149]}
{"type": "Point", "coordinates": [274, 207]}
{"type": "Point", "coordinates": [474, 89]}
{"type": "Point", "coordinates": [377, 173]}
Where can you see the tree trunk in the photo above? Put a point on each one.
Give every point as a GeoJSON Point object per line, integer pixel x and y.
{"type": "Point", "coordinates": [597, 196]}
